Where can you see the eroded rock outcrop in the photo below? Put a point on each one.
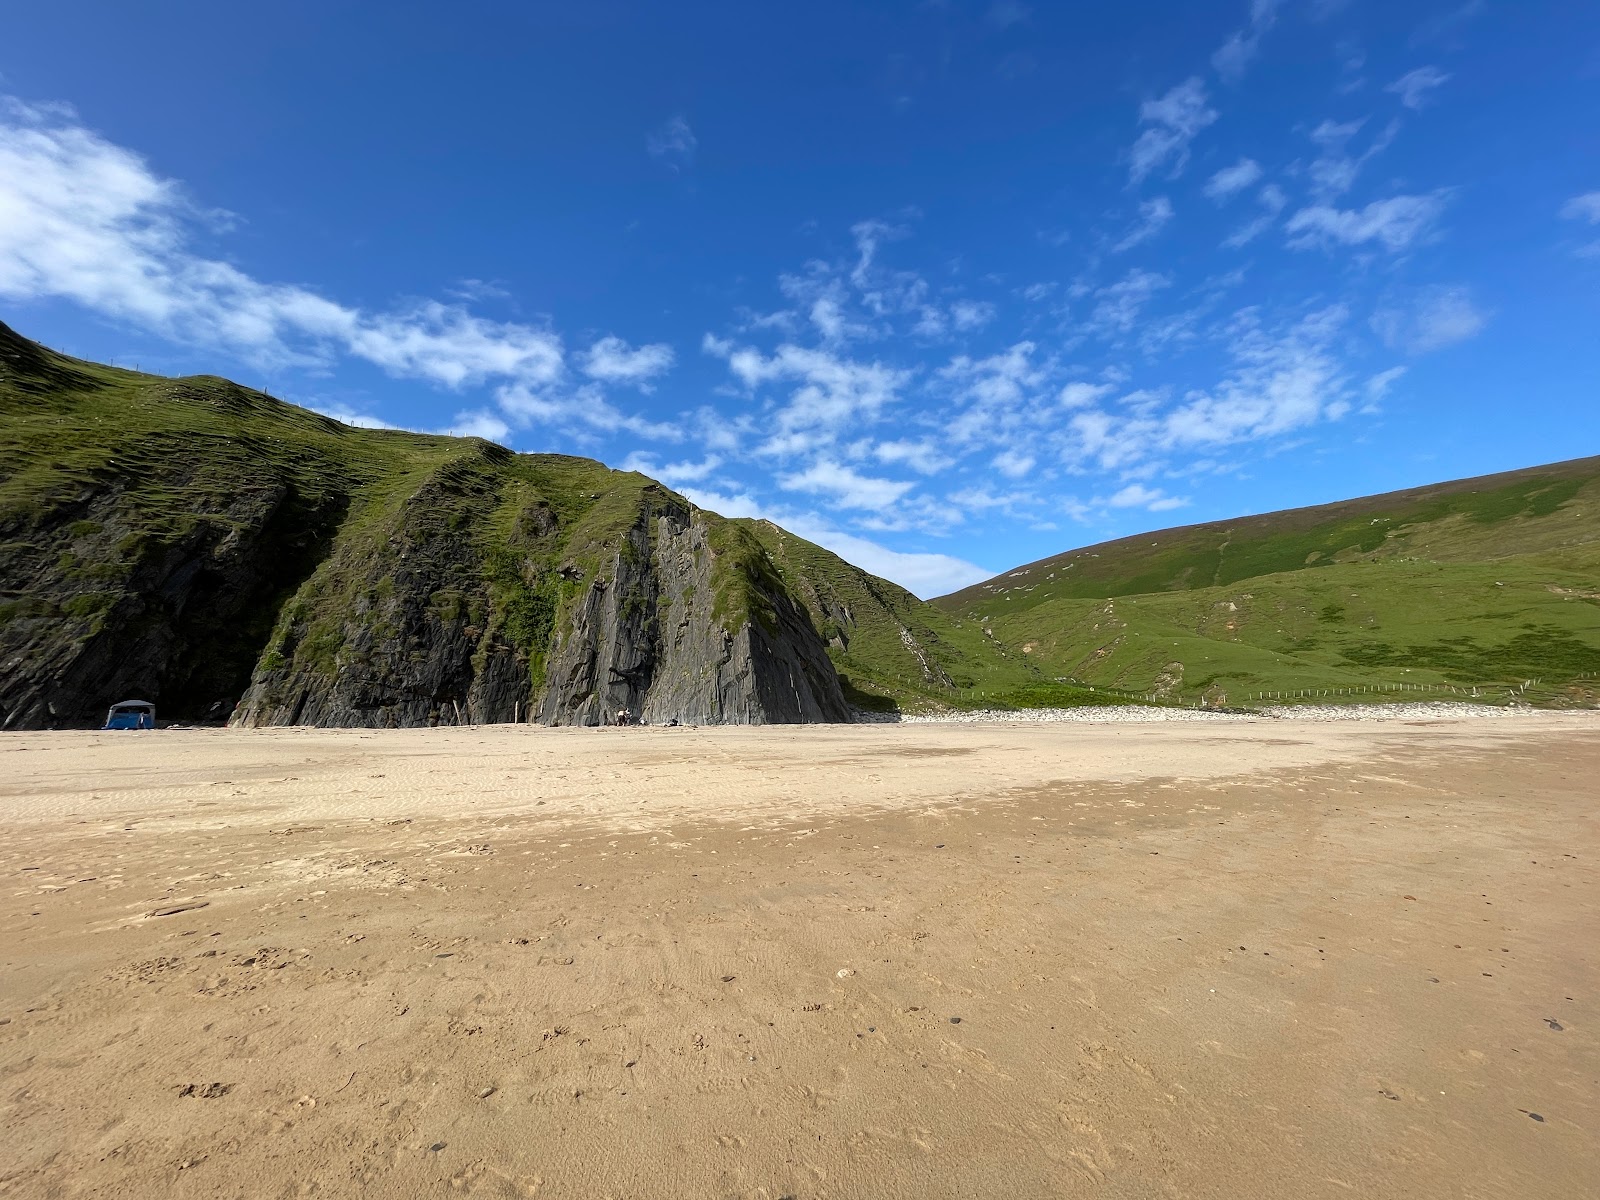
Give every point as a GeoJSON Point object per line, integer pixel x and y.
{"type": "Point", "coordinates": [426, 634]}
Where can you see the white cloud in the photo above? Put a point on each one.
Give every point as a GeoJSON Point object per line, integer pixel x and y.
{"type": "Point", "coordinates": [884, 291]}
{"type": "Point", "coordinates": [1281, 382]}
{"type": "Point", "coordinates": [1334, 171]}
{"type": "Point", "coordinates": [971, 314]}
{"type": "Point", "coordinates": [674, 143]}
{"type": "Point", "coordinates": [1436, 318]}
{"type": "Point", "coordinates": [1272, 200]}
{"type": "Point", "coordinates": [87, 221]}
{"type": "Point", "coordinates": [612, 360]}
{"type": "Point", "coordinates": [1120, 303]}
{"type": "Point", "coordinates": [1013, 464]}
{"type": "Point", "coordinates": [834, 395]}
{"type": "Point", "coordinates": [1173, 121]}
{"type": "Point", "coordinates": [84, 220]}
{"type": "Point", "coordinates": [1377, 387]}
{"type": "Point", "coordinates": [1583, 208]}
{"type": "Point", "coordinates": [1081, 395]}
{"type": "Point", "coordinates": [479, 423]}
{"type": "Point", "coordinates": [922, 456]}
{"type": "Point", "coordinates": [1395, 223]}
{"type": "Point", "coordinates": [1235, 54]}
{"type": "Point", "coordinates": [672, 474]}
{"type": "Point", "coordinates": [584, 408]}
{"type": "Point", "coordinates": [995, 394]}
{"type": "Point", "coordinates": [1230, 181]}
{"type": "Point", "coordinates": [845, 487]}
{"type": "Point", "coordinates": [925, 575]}
{"type": "Point", "coordinates": [1413, 87]}
{"type": "Point", "coordinates": [1136, 495]}
{"type": "Point", "coordinates": [1154, 214]}
{"type": "Point", "coordinates": [724, 504]}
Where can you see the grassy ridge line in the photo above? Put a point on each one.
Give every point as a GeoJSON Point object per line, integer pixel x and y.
{"type": "Point", "coordinates": [1485, 582]}
{"type": "Point", "coordinates": [1550, 509]}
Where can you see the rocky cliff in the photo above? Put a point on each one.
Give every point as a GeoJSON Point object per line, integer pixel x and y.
{"type": "Point", "coordinates": [198, 544]}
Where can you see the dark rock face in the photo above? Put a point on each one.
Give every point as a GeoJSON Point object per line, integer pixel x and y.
{"type": "Point", "coordinates": [647, 640]}
{"type": "Point", "coordinates": [640, 634]}
{"type": "Point", "coordinates": [391, 630]}
{"type": "Point", "coordinates": [104, 613]}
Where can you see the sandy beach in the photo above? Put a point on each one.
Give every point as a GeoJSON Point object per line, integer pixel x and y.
{"type": "Point", "coordinates": [1264, 958]}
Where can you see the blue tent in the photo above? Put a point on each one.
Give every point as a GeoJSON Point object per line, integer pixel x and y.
{"type": "Point", "coordinates": [131, 714]}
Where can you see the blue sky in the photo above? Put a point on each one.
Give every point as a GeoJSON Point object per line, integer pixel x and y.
{"type": "Point", "coordinates": [946, 285]}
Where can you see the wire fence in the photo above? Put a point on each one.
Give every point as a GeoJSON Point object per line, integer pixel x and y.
{"type": "Point", "coordinates": [1213, 697]}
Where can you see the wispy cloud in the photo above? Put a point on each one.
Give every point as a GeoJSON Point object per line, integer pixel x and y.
{"type": "Point", "coordinates": [1080, 395]}
{"type": "Point", "coordinates": [995, 394]}
{"type": "Point", "coordinates": [1272, 200]}
{"type": "Point", "coordinates": [1282, 381]}
{"type": "Point", "coordinates": [1379, 385]}
{"type": "Point", "coordinates": [612, 360]}
{"type": "Point", "coordinates": [1171, 123]}
{"type": "Point", "coordinates": [1136, 495]}
{"type": "Point", "coordinates": [1394, 224]}
{"type": "Point", "coordinates": [923, 456]}
{"type": "Point", "coordinates": [1435, 318]}
{"type": "Point", "coordinates": [90, 222]}
{"type": "Point", "coordinates": [1447, 26]}
{"type": "Point", "coordinates": [831, 394]}
{"type": "Point", "coordinates": [1235, 55]}
{"type": "Point", "coordinates": [845, 487]}
{"type": "Point", "coordinates": [479, 423]}
{"type": "Point", "coordinates": [673, 474]}
{"type": "Point", "coordinates": [1154, 216]}
{"type": "Point", "coordinates": [1413, 87]}
{"type": "Point", "coordinates": [1230, 181]}
{"type": "Point", "coordinates": [1120, 303]}
{"type": "Point", "coordinates": [1335, 169]}
{"type": "Point", "coordinates": [1583, 208]}
{"type": "Point", "coordinates": [674, 143]}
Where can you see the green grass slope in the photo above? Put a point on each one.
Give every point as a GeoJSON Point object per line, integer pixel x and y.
{"type": "Point", "coordinates": [177, 532]}
{"type": "Point", "coordinates": [1480, 583]}
{"type": "Point", "coordinates": [180, 533]}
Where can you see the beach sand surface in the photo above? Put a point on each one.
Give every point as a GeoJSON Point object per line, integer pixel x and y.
{"type": "Point", "coordinates": [1256, 959]}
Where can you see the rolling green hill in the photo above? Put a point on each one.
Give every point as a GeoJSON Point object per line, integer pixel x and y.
{"type": "Point", "coordinates": [1486, 583]}
{"type": "Point", "coordinates": [197, 543]}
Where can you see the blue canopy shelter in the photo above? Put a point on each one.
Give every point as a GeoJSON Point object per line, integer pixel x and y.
{"type": "Point", "coordinates": [131, 714]}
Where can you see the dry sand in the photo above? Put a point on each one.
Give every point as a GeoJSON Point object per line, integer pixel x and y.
{"type": "Point", "coordinates": [1275, 959]}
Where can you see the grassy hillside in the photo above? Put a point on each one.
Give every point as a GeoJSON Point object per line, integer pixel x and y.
{"type": "Point", "coordinates": [1484, 582]}
{"type": "Point", "coordinates": [176, 537]}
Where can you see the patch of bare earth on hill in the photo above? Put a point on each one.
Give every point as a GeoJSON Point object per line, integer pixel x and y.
{"type": "Point", "coordinates": [1154, 961]}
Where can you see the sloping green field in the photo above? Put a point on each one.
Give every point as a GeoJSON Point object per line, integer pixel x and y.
{"type": "Point", "coordinates": [1482, 584]}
